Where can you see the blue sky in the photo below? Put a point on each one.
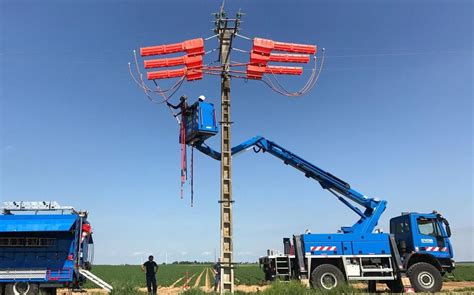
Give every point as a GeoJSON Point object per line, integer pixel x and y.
{"type": "Point", "coordinates": [391, 115]}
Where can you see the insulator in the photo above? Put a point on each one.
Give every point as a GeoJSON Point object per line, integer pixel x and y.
{"type": "Point", "coordinates": [262, 46]}
{"type": "Point", "coordinates": [255, 72]}
{"type": "Point", "coordinates": [191, 47]}
{"type": "Point", "coordinates": [265, 46]}
{"type": "Point", "coordinates": [166, 74]}
{"type": "Point", "coordinates": [189, 61]}
{"type": "Point", "coordinates": [282, 57]}
{"type": "Point", "coordinates": [258, 59]}
{"type": "Point", "coordinates": [293, 47]}
{"type": "Point", "coordinates": [164, 62]}
{"type": "Point", "coordinates": [284, 70]}
{"type": "Point", "coordinates": [194, 47]}
{"type": "Point", "coordinates": [194, 74]}
{"type": "Point", "coordinates": [191, 74]}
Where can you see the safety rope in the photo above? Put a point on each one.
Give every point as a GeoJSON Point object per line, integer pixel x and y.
{"type": "Point", "coordinates": [192, 176]}
{"type": "Point", "coordinates": [183, 157]}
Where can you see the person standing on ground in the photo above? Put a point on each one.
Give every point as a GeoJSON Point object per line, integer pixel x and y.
{"type": "Point", "coordinates": [217, 272]}
{"type": "Point", "coordinates": [150, 268]}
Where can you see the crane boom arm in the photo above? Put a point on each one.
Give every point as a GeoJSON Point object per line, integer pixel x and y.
{"type": "Point", "coordinates": [339, 188]}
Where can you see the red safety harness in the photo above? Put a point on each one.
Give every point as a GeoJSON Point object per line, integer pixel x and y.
{"type": "Point", "coordinates": [192, 176]}
{"type": "Point", "coordinates": [184, 163]}
{"type": "Point", "coordinates": [184, 175]}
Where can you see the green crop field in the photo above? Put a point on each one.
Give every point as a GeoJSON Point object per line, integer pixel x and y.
{"type": "Point", "coordinates": [118, 274]}
{"type": "Point", "coordinates": [463, 272]}
{"type": "Point", "coordinates": [248, 274]}
{"type": "Point", "coordinates": [245, 274]}
{"type": "Point", "coordinates": [132, 274]}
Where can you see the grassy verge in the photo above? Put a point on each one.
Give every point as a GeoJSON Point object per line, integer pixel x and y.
{"type": "Point", "coordinates": [468, 290]}
{"type": "Point", "coordinates": [297, 288]}
{"type": "Point", "coordinates": [463, 272]}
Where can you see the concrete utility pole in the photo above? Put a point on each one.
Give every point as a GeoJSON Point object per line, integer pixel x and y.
{"type": "Point", "coordinates": [227, 275]}
{"type": "Point", "coordinates": [226, 29]}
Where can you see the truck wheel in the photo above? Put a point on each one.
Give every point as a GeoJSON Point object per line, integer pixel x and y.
{"type": "Point", "coordinates": [21, 288]}
{"type": "Point", "coordinates": [424, 277]}
{"type": "Point", "coordinates": [327, 277]}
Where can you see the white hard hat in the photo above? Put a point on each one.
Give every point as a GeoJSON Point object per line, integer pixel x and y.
{"type": "Point", "coordinates": [202, 97]}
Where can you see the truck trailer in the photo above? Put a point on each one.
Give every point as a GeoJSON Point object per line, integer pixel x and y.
{"type": "Point", "coordinates": [43, 247]}
{"type": "Point", "coordinates": [417, 250]}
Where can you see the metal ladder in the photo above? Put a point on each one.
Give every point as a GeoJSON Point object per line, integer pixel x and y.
{"type": "Point", "coordinates": [96, 280]}
{"type": "Point", "coordinates": [282, 266]}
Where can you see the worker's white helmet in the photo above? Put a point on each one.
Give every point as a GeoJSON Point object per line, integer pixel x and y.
{"type": "Point", "coordinates": [201, 98]}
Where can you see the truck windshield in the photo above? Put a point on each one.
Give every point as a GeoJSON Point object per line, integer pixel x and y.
{"type": "Point", "coordinates": [428, 227]}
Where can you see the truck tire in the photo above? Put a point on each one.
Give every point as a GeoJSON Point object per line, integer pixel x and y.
{"type": "Point", "coordinates": [21, 288]}
{"type": "Point", "coordinates": [327, 277]}
{"type": "Point", "coordinates": [424, 277]}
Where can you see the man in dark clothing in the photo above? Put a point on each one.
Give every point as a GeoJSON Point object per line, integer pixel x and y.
{"type": "Point", "coordinates": [183, 105]}
{"type": "Point", "coordinates": [150, 267]}
{"type": "Point", "coordinates": [217, 271]}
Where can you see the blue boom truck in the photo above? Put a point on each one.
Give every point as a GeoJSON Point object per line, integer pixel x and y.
{"type": "Point", "coordinates": [418, 246]}
{"type": "Point", "coordinates": [44, 246]}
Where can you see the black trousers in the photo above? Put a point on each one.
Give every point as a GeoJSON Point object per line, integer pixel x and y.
{"type": "Point", "coordinates": [217, 280]}
{"type": "Point", "coordinates": [151, 283]}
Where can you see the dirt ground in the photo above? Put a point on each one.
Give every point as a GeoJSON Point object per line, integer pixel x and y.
{"type": "Point", "coordinates": [172, 290]}
{"type": "Point", "coordinates": [449, 286]}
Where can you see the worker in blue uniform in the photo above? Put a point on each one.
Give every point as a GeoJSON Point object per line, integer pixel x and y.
{"type": "Point", "coordinates": [150, 268]}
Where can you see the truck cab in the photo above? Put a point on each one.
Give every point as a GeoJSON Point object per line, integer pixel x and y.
{"type": "Point", "coordinates": [423, 237]}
